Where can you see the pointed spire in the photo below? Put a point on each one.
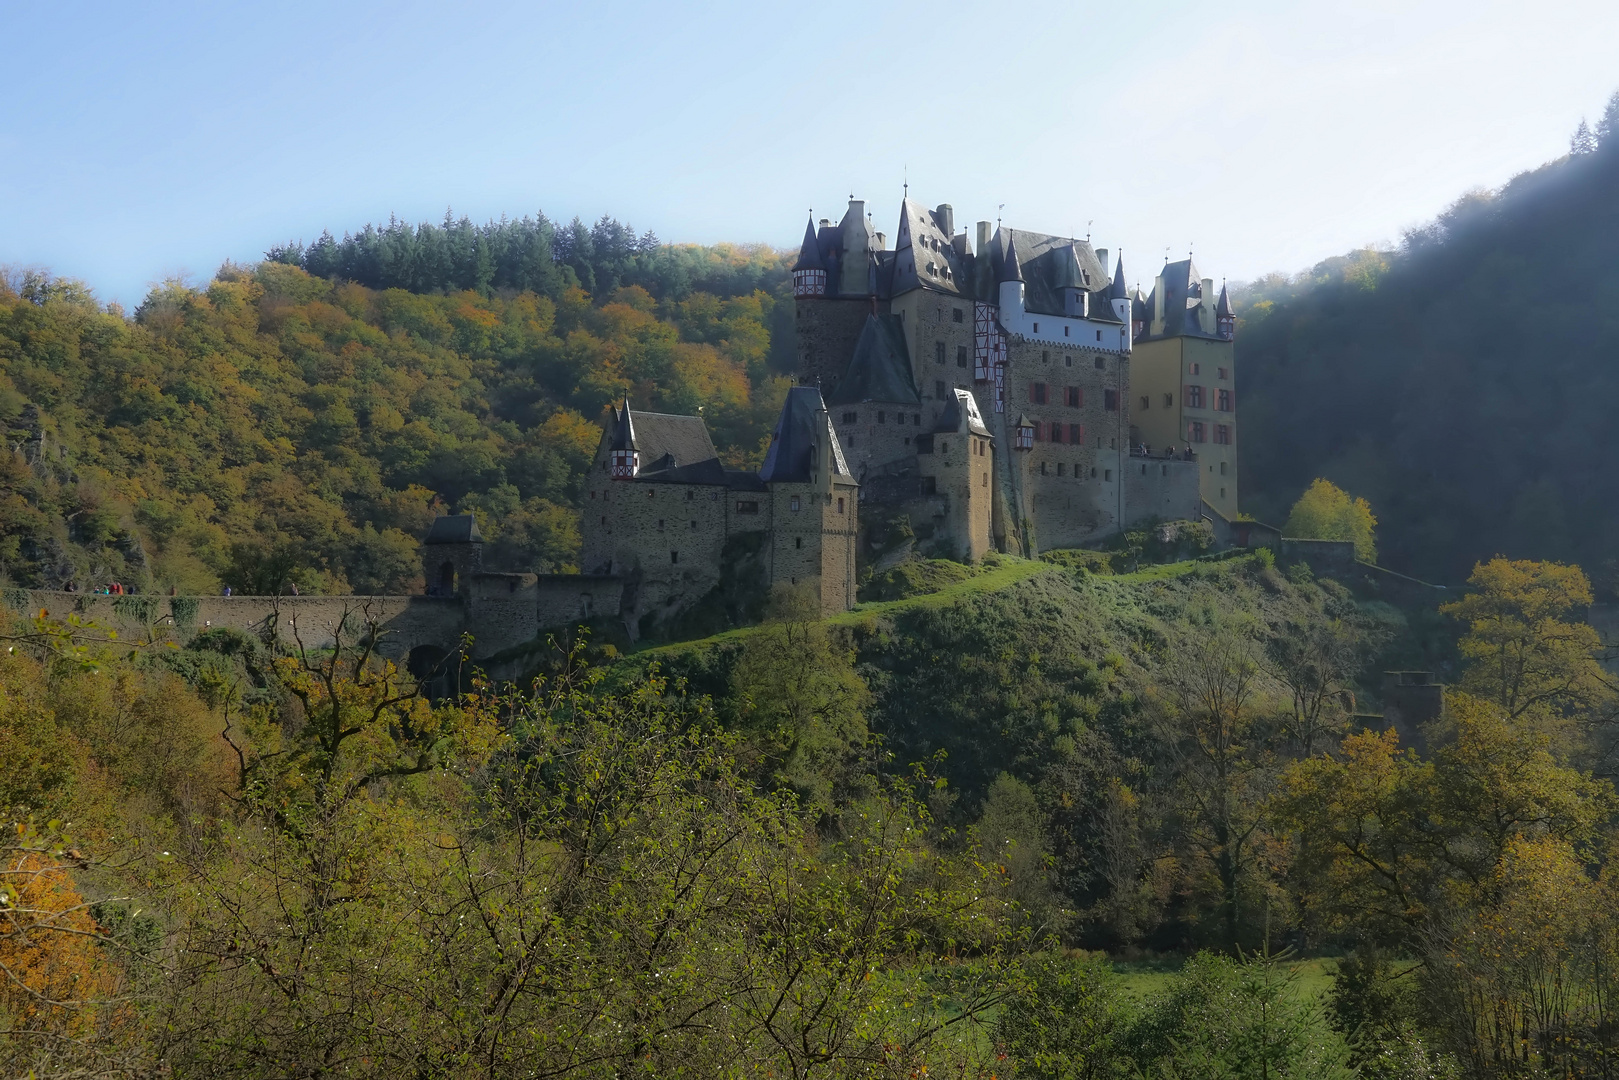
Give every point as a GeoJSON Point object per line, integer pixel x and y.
{"type": "Point", "coordinates": [809, 256]}
{"type": "Point", "coordinates": [623, 429]}
{"type": "Point", "coordinates": [1224, 307]}
{"type": "Point", "coordinates": [1011, 269]}
{"type": "Point", "coordinates": [1119, 290]}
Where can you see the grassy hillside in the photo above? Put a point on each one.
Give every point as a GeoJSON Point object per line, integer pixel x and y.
{"type": "Point", "coordinates": [1463, 384]}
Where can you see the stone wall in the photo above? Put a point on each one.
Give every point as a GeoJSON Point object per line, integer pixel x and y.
{"type": "Point", "coordinates": [1062, 509]}
{"type": "Point", "coordinates": [1164, 489]}
{"type": "Point", "coordinates": [877, 434]}
{"type": "Point", "coordinates": [827, 330]}
{"type": "Point", "coordinates": [959, 466]}
{"type": "Point", "coordinates": [930, 320]}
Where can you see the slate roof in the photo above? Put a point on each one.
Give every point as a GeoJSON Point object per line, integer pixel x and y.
{"type": "Point", "coordinates": [667, 441]}
{"type": "Point", "coordinates": [454, 529]}
{"type": "Point", "coordinates": [925, 255]}
{"type": "Point", "coordinates": [962, 407]}
{"type": "Point", "coordinates": [623, 430]}
{"type": "Point", "coordinates": [1224, 307]}
{"type": "Point", "coordinates": [880, 369]}
{"type": "Point", "coordinates": [1045, 262]}
{"type": "Point", "coordinates": [1119, 291]}
{"type": "Point", "coordinates": [803, 422]}
{"type": "Point", "coordinates": [809, 255]}
{"type": "Point", "coordinates": [1183, 294]}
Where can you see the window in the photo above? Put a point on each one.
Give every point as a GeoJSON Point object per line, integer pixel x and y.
{"type": "Point", "coordinates": [1037, 328]}
{"type": "Point", "coordinates": [1107, 474]}
{"type": "Point", "coordinates": [1068, 361]}
{"type": "Point", "coordinates": [1222, 468]}
{"type": "Point", "coordinates": [1194, 396]}
{"type": "Point", "coordinates": [1222, 493]}
{"type": "Point", "coordinates": [1076, 434]}
{"type": "Point", "coordinates": [955, 314]}
{"type": "Point", "coordinates": [1037, 393]}
{"type": "Point", "coordinates": [930, 485]}
{"type": "Point", "coordinates": [840, 506]}
{"type": "Point", "coordinates": [1197, 369]}
{"type": "Point", "coordinates": [1169, 400]}
{"type": "Point", "coordinates": [1093, 472]}
{"type": "Point", "coordinates": [1101, 364]}
{"type": "Point", "coordinates": [1059, 468]}
{"type": "Point", "coordinates": [1222, 400]}
{"type": "Point", "coordinates": [1076, 397]}
{"type": "Point", "coordinates": [746, 506]}
{"type": "Point", "coordinates": [674, 557]}
{"type": "Point", "coordinates": [882, 417]}
{"type": "Point", "coordinates": [660, 524]}
{"type": "Point", "coordinates": [798, 542]}
{"type": "Point", "coordinates": [1099, 335]}
{"type": "Point", "coordinates": [916, 418]}
{"type": "Point", "coordinates": [1145, 401]}
{"type": "Point", "coordinates": [850, 418]}
{"type": "Point", "coordinates": [793, 503]}
{"type": "Point", "coordinates": [592, 493]}
{"type": "Point", "coordinates": [938, 352]}
{"type": "Point", "coordinates": [694, 524]}
{"type": "Point", "coordinates": [1222, 435]}
{"type": "Point", "coordinates": [899, 418]}
{"type": "Point", "coordinates": [961, 353]}
{"type": "Point", "coordinates": [1056, 433]}
{"type": "Point", "coordinates": [1064, 334]}
{"type": "Point", "coordinates": [1195, 432]}
{"type": "Point", "coordinates": [938, 389]}
{"type": "Point", "coordinates": [1045, 356]}
{"type": "Point", "coordinates": [1110, 400]}
{"type": "Point", "coordinates": [1221, 373]}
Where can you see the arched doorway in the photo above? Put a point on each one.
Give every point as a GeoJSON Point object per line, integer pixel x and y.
{"type": "Point", "coordinates": [446, 579]}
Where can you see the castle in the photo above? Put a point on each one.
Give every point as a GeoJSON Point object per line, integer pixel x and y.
{"type": "Point", "coordinates": [1000, 392]}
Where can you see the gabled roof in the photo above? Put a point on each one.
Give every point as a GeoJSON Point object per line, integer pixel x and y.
{"type": "Point", "coordinates": [1065, 269]}
{"type": "Point", "coordinates": [925, 255]}
{"type": "Point", "coordinates": [880, 369]}
{"type": "Point", "coordinates": [961, 414]}
{"type": "Point", "coordinates": [809, 255]}
{"type": "Point", "coordinates": [803, 424]}
{"type": "Point", "coordinates": [454, 529]}
{"type": "Point", "coordinates": [1044, 262]}
{"type": "Point", "coordinates": [667, 441]}
{"type": "Point", "coordinates": [1183, 296]}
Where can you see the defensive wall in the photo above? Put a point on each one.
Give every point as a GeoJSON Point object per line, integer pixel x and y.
{"type": "Point", "coordinates": [498, 612]}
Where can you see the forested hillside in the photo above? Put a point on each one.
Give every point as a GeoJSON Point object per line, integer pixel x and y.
{"type": "Point", "coordinates": [279, 424]}
{"type": "Point", "coordinates": [1464, 384]}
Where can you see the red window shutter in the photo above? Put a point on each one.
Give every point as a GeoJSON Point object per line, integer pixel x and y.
{"type": "Point", "coordinates": [1080, 438]}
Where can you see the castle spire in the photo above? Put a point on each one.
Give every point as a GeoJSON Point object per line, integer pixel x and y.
{"type": "Point", "coordinates": [809, 255]}
{"type": "Point", "coordinates": [1225, 317]}
{"type": "Point", "coordinates": [1119, 291]}
{"type": "Point", "coordinates": [809, 272]}
{"type": "Point", "coordinates": [623, 456]}
{"type": "Point", "coordinates": [1011, 268]}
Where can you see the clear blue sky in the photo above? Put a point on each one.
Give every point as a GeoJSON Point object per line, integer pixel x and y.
{"type": "Point", "coordinates": [139, 141]}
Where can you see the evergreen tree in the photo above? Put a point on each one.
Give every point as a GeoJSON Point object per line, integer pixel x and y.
{"type": "Point", "coordinates": [1583, 141]}
{"type": "Point", "coordinates": [1608, 125]}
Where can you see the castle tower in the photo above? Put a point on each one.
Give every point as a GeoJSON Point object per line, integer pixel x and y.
{"type": "Point", "coordinates": [813, 501]}
{"type": "Point", "coordinates": [452, 554]}
{"type": "Point", "coordinates": [1183, 379]}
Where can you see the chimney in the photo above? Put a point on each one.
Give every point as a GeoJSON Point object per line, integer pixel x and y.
{"type": "Point", "coordinates": [882, 241]}
{"type": "Point", "coordinates": [1207, 300]}
{"type": "Point", "coordinates": [946, 216]}
{"type": "Point", "coordinates": [983, 237]}
{"type": "Point", "coordinates": [1101, 257]}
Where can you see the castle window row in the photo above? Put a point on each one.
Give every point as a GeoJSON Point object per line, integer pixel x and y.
{"type": "Point", "coordinates": [1197, 431]}
{"type": "Point", "coordinates": [1197, 398]}
{"type": "Point", "coordinates": [1078, 471]}
{"type": "Point", "coordinates": [1054, 431]}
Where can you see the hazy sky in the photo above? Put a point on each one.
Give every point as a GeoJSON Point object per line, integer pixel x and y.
{"type": "Point", "coordinates": [143, 140]}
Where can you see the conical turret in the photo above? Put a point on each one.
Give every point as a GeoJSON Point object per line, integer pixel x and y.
{"type": "Point", "coordinates": [1011, 268]}
{"type": "Point", "coordinates": [809, 272]}
{"type": "Point", "coordinates": [623, 456]}
{"type": "Point", "coordinates": [1119, 291]}
{"type": "Point", "coordinates": [1225, 318]}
